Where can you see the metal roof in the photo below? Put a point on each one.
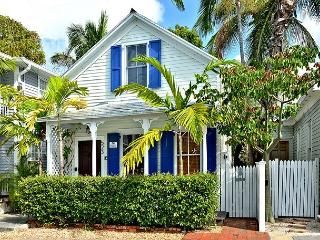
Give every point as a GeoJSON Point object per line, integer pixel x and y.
{"type": "Point", "coordinates": [107, 110]}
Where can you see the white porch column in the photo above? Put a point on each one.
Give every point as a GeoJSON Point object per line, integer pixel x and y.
{"type": "Point", "coordinates": [49, 149]}
{"type": "Point", "coordinates": [261, 195]}
{"type": "Point", "coordinates": [145, 124]}
{"type": "Point", "coordinates": [93, 129]}
{"type": "Point", "coordinates": [204, 151]}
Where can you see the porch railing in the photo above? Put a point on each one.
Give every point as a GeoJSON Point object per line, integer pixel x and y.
{"type": "Point", "coordinates": [4, 185]}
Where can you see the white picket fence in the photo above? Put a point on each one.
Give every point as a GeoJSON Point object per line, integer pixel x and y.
{"type": "Point", "coordinates": [238, 191]}
{"type": "Point", "coordinates": [294, 188]}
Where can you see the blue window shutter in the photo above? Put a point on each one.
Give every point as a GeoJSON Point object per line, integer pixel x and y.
{"type": "Point", "coordinates": [154, 74]}
{"type": "Point", "coordinates": [115, 67]}
{"type": "Point", "coordinates": [212, 149]}
{"type": "Point", "coordinates": [167, 152]}
{"type": "Point", "coordinates": [113, 154]}
{"type": "Point", "coordinates": [153, 159]}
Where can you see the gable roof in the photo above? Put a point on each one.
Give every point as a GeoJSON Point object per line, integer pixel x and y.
{"type": "Point", "coordinates": [24, 62]}
{"type": "Point", "coordinates": [96, 50]}
{"type": "Point", "coordinates": [306, 102]}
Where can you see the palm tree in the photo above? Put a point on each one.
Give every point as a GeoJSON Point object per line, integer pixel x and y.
{"type": "Point", "coordinates": [181, 112]}
{"type": "Point", "coordinates": [261, 19]}
{"type": "Point", "coordinates": [6, 65]}
{"type": "Point", "coordinates": [81, 39]}
{"type": "Point", "coordinates": [60, 95]}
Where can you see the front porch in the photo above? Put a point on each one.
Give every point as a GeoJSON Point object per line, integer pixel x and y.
{"type": "Point", "coordinates": [105, 136]}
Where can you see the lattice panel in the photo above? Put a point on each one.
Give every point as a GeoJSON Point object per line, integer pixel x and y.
{"type": "Point", "coordinates": [68, 160]}
{"type": "Point", "coordinates": [55, 152]}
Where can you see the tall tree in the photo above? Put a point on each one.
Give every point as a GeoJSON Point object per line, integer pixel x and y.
{"type": "Point", "coordinates": [181, 112]}
{"type": "Point", "coordinates": [60, 95]}
{"type": "Point", "coordinates": [18, 41]}
{"type": "Point", "coordinates": [81, 39]}
{"type": "Point", "coordinates": [259, 98]}
{"type": "Point", "coordinates": [187, 34]}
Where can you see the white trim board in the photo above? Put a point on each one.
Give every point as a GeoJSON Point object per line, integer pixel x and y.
{"type": "Point", "coordinates": [75, 163]}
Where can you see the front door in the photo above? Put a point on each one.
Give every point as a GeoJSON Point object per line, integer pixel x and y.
{"type": "Point", "coordinates": [85, 158]}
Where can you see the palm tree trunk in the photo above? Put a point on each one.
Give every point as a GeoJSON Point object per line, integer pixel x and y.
{"type": "Point", "coordinates": [39, 159]}
{"type": "Point", "coordinates": [59, 131]}
{"type": "Point", "coordinates": [180, 154]}
{"type": "Point", "coordinates": [283, 14]}
{"type": "Point", "coordinates": [240, 32]}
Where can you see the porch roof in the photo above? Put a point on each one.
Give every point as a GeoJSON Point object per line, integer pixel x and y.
{"type": "Point", "coordinates": [107, 110]}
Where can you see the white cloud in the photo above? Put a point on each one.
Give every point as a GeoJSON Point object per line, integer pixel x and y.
{"type": "Point", "coordinates": [50, 18]}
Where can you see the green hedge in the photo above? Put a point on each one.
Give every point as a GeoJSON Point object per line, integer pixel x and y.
{"type": "Point", "coordinates": [188, 202]}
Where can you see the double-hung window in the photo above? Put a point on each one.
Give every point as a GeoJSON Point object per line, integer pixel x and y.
{"type": "Point", "coordinates": [136, 71]}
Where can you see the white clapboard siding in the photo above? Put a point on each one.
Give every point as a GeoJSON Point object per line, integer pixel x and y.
{"type": "Point", "coordinates": [238, 190]}
{"type": "Point", "coordinates": [294, 188]}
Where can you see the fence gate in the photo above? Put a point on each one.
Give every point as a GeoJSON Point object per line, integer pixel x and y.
{"type": "Point", "coordinates": [238, 190]}
{"type": "Point", "coordinates": [294, 188]}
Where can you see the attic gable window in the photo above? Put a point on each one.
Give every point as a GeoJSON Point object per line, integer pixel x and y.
{"type": "Point", "coordinates": [136, 72]}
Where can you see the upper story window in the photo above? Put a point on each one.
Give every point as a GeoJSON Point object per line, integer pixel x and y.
{"type": "Point", "coordinates": [136, 72]}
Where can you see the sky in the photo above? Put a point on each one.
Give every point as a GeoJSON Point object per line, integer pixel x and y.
{"type": "Point", "coordinates": [51, 18]}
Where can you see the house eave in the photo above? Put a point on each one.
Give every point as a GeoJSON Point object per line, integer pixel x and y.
{"type": "Point", "coordinates": [93, 53]}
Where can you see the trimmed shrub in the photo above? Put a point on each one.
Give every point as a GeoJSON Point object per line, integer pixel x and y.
{"type": "Point", "coordinates": [188, 202]}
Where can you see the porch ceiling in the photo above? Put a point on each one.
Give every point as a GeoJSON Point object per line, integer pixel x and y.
{"type": "Point", "coordinates": [107, 110]}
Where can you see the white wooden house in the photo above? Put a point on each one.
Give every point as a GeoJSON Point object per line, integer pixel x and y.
{"type": "Point", "coordinates": [104, 129]}
{"type": "Point", "coordinates": [32, 79]}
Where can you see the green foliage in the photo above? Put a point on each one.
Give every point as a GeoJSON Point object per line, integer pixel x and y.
{"type": "Point", "coordinates": [17, 41]}
{"type": "Point", "coordinates": [181, 111]}
{"type": "Point", "coordinates": [187, 34]}
{"type": "Point", "coordinates": [81, 39]}
{"type": "Point", "coordinates": [257, 99]}
{"type": "Point", "coordinates": [188, 202]}
{"type": "Point", "coordinates": [6, 65]}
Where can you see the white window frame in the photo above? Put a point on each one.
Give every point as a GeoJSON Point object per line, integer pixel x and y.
{"type": "Point", "coordinates": [188, 155]}
{"type": "Point", "coordinates": [125, 79]}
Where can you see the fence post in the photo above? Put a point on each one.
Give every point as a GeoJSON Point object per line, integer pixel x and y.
{"type": "Point", "coordinates": [261, 178]}
{"type": "Point", "coordinates": [316, 180]}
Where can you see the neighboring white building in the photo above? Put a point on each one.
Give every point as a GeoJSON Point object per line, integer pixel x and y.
{"type": "Point", "coordinates": [32, 79]}
{"type": "Point", "coordinates": [304, 129]}
{"type": "Point", "coordinates": [109, 124]}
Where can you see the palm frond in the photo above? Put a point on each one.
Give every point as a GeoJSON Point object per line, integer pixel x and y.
{"type": "Point", "coordinates": [175, 91]}
{"type": "Point", "coordinates": [298, 34]}
{"type": "Point", "coordinates": [74, 102]}
{"type": "Point", "coordinates": [311, 6]}
{"type": "Point", "coordinates": [144, 93]}
{"type": "Point", "coordinates": [260, 32]}
{"type": "Point", "coordinates": [138, 149]}
{"type": "Point", "coordinates": [224, 38]}
{"type": "Point", "coordinates": [6, 65]}
{"type": "Point", "coordinates": [193, 118]}
{"type": "Point", "coordinates": [179, 4]}
{"type": "Point", "coordinates": [206, 17]}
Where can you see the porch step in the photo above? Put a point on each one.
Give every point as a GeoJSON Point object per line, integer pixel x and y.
{"type": "Point", "coordinates": [11, 222]}
{"type": "Point", "coordinates": [221, 217]}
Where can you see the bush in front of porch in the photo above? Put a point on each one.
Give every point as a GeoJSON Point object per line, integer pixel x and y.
{"type": "Point", "coordinates": [189, 202]}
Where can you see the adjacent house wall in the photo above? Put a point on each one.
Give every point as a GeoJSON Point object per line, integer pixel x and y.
{"type": "Point", "coordinates": [306, 140]}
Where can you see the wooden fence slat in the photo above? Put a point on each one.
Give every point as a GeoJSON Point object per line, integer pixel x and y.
{"type": "Point", "coordinates": [313, 186]}
{"type": "Point", "coordinates": [301, 183]}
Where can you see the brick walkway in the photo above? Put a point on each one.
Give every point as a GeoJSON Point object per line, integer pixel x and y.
{"type": "Point", "coordinates": [233, 229]}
